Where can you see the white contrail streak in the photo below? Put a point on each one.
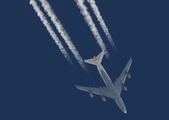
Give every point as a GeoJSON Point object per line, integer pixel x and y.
{"type": "Point", "coordinates": [50, 30]}
{"type": "Point", "coordinates": [48, 9]}
{"type": "Point", "coordinates": [89, 21]}
{"type": "Point", "coordinates": [101, 21]}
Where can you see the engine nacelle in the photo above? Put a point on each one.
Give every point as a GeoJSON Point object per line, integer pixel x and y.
{"type": "Point", "coordinates": [128, 75]}
{"type": "Point", "coordinates": [125, 88]}
{"type": "Point", "coordinates": [103, 99]}
{"type": "Point", "coordinates": [91, 95]}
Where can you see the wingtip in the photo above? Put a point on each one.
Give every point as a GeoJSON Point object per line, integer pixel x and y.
{"type": "Point", "coordinates": [85, 61]}
{"type": "Point", "coordinates": [76, 86]}
{"type": "Point", "coordinates": [130, 58]}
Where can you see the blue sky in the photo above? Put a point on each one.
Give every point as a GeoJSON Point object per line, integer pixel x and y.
{"type": "Point", "coordinates": [37, 82]}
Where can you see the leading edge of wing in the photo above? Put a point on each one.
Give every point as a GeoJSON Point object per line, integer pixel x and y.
{"type": "Point", "coordinates": [89, 89]}
{"type": "Point", "coordinates": [128, 65]}
{"type": "Point", "coordinates": [122, 78]}
{"type": "Point", "coordinates": [103, 91]}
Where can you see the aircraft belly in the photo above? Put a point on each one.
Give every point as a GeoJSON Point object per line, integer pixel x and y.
{"type": "Point", "coordinates": [105, 77]}
{"type": "Point", "coordinates": [107, 81]}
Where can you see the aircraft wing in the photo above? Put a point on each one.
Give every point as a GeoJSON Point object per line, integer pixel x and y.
{"type": "Point", "coordinates": [119, 83]}
{"type": "Point", "coordinates": [102, 91]}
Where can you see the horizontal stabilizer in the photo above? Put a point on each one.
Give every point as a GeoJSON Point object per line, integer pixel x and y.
{"type": "Point", "coordinates": [90, 61]}
{"type": "Point", "coordinates": [95, 60]}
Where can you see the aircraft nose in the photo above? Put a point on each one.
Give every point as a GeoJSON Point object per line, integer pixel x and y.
{"type": "Point", "coordinates": [125, 111]}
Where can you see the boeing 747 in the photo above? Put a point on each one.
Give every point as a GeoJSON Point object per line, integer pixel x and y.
{"type": "Point", "coordinates": [112, 90]}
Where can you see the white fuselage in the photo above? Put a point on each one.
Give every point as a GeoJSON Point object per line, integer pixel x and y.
{"type": "Point", "coordinates": [111, 87]}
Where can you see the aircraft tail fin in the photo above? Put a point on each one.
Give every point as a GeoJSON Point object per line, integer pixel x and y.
{"type": "Point", "coordinates": [95, 60]}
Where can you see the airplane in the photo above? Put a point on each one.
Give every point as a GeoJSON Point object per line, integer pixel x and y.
{"type": "Point", "coordinates": [112, 90]}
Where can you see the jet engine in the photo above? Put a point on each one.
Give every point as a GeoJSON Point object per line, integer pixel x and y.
{"type": "Point", "coordinates": [125, 88]}
{"type": "Point", "coordinates": [91, 95]}
{"type": "Point", "coordinates": [128, 75]}
{"type": "Point", "coordinates": [103, 99]}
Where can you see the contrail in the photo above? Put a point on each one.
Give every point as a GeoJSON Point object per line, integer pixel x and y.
{"type": "Point", "coordinates": [101, 21]}
{"type": "Point", "coordinates": [62, 31]}
{"type": "Point", "coordinates": [89, 21]}
{"type": "Point", "coordinates": [50, 30]}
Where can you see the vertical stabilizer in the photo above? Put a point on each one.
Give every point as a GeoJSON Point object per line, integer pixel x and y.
{"type": "Point", "coordinates": [95, 60]}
